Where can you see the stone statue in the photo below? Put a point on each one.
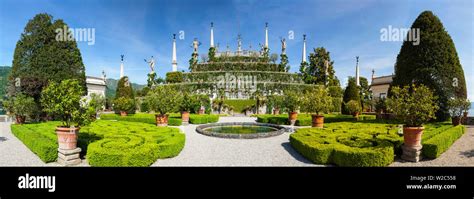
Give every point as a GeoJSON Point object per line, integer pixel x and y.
{"type": "Point", "coordinates": [151, 62]}
{"type": "Point", "coordinates": [283, 46]}
{"type": "Point", "coordinates": [196, 44]}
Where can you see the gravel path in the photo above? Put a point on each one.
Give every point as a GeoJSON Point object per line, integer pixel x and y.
{"type": "Point", "coordinates": [201, 150]}
{"type": "Point", "coordinates": [461, 153]}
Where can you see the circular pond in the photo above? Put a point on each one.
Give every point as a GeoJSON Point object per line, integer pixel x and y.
{"type": "Point", "coordinates": [240, 130]}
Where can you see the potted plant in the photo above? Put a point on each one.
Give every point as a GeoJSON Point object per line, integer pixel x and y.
{"type": "Point", "coordinates": [414, 106]}
{"type": "Point", "coordinates": [317, 101]}
{"type": "Point", "coordinates": [96, 103]}
{"type": "Point", "coordinates": [162, 100]}
{"type": "Point", "coordinates": [456, 108]}
{"type": "Point", "coordinates": [20, 106]}
{"type": "Point", "coordinates": [354, 108]}
{"type": "Point", "coordinates": [466, 107]}
{"type": "Point", "coordinates": [187, 103]}
{"type": "Point", "coordinates": [276, 101]}
{"type": "Point", "coordinates": [63, 101]}
{"type": "Point", "coordinates": [292, 102]}
{"type": "Point", "coordinates": [123, 104]}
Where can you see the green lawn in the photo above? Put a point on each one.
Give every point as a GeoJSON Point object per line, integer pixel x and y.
{"type": "Point", "coordinates": [367, 143]}
{"type": "Point", "coordinates": [107, 143]}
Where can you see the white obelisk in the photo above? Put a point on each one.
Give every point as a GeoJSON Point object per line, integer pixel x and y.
{"type": "Point", "coordinates": [212, 34]}
{"type": "Point", "coordinates": [357, 71]}
{"type": "Point", "coordinates": [121, 68]}
{"type": "Point", "coordinates": [266, 35]}
{"type": "Point", "coordinates": [303, 58]}
{"type": "Point", "coordinates": [174, 63]}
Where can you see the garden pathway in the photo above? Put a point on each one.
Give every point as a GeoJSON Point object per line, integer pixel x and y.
{"type": "Point", "coordinates": [13, 152]}
{"type": "Point", "coordinates": [461, 153]}
{"type": "Point", "coordinates": [201, 150]}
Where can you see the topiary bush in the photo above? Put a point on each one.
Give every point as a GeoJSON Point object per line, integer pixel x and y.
{"type": "Point", "coordinates": [438, 144]}
{"type": "Point", "coordinates": [131, 144]}
{"type": "Point", "coordinates": [40, 138]}
{"type": "Point", "coordinates": [173, 120]}
{"type": "Point", "coordinates": [203, 119]}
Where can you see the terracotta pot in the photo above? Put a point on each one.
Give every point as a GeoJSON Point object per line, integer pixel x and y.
{"type": "Point", "coordinates": [20, 119]}
{"type": "Point", "coordinates": [412, 136]}
{"type": "Point", "coordinates": [292, 116]}
{"type": "Point", "coordinates": [318, 121]}
{"type": "Point", "coordinates": [276, 111]}
{"type": "Point", "coordinates": [161, 120]}
{"type": "Point", "coordinates": [123, 113]}
{"type": "Point", "coordinates": [356, 114]}
{"type": "Point", "coordinates": [456, 120]}
{"type": "Point", "coordinates": [464, 118]}
{"type": "Point", "coordinates": [67, 137]}
{"type": "Point", "coordinates": [185, 116]}
{"type": "Point", "coordinates": [201, 111]}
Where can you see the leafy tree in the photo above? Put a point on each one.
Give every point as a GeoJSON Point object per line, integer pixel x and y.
{"type": "Point", "coordinates": [353, 107]}
{"type": "Point", "coordinates": [212, 54]}
{"type": "Point", "coordinates": [125, 90]}
{"type": "Point", "coordinates": [414, 105]}
{"type": "Point", "coordinates": [163, 99]}
{"type": "Point", "coordinates": [351, 92]}
{"type": "Point", "coordinates": [63, 100]}
{"type": "Point", "coordinates": [284, 67]}
{"type": "Point", "coordinates": [317, 100]}
{"type": "Point", "coordinates": [39, 58]}
{"type": "Point", "coordinates": [433, 62]}
{"type": "Point", "coordinates": [315, 71]}
{"type": "Point", "coordinates": [21, 105]}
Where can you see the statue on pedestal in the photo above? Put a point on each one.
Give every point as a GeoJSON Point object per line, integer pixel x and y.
{"type": "Point", "coordinates": [151, 62]}
{"type": "Point", "coordinates": [283, 46]}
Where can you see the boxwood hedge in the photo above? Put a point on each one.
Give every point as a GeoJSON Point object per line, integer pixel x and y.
{"type": "Point", "coordinates": [367, 143]}
{"type": "Point", "coordinates": [203, 119]}
{"type": "Point", "coordinates": [173, 120]}
{"type": "Point", "coordinates": [305, 119]}
{"type": "Point", "coordinates": [107, 143]}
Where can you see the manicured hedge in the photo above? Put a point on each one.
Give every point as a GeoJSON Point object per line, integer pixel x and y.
{"type": "Point", "coordinates": [305, 119]}
{"type": "Point", "coordinates": [203, 119]}
{"type": "Point", "coordinates": [173, 120]}
{"type": "Point", "coordinates": [239, 105]}
{"type": "Point", "coordinates": [131, 143]}
{"type": "Point", "coordinates": [40, 138]}
{"type": "Point", "coordinates": [348, 144]}
{"type": "Point", "coordinates": [367, 143]}
{"type": "Point", "coordinates": [438, 144]}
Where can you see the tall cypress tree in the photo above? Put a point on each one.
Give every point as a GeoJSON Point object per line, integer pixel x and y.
{"type": "Point", "coordinates": [352, 92]}
{"type": "Point", "coordinates": [434, 62]}
{"type": "Point", "coordinates": [39, 58]}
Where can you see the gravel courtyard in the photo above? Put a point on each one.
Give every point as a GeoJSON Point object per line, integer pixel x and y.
{"type": "Point", "coordinates": [201, 150]}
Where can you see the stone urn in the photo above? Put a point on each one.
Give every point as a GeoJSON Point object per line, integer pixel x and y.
{"type": "Point", "coordinates": [317, 121]}
{"type": "Point", "coordinates": [161, 119]}
{"type": "Point", "coordinates": [456, 120]}
{"type": "Point", "coordinates": [123, 113]}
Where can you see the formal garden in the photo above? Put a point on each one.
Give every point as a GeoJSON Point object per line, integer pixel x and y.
{"type": "Point", "coordinates": [325, 123]}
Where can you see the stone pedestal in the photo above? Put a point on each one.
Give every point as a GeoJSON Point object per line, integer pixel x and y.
{"type": "Point", "coordinates": [412, 154]}
{"type": "Point", "coordinates": [69, 157]}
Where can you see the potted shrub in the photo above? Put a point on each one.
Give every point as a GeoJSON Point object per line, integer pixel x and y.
{"type": "Point", "coordinates": [162, 100]}
{"type": "Point", "coordinates": [317, 101]}
{"type": "Point", "coordinates": [292, 102]}
{"type": "Point", "coordinates": [63, 101]}
{"type": "Point", "coordinates": [456, 108]}
{"type": "Point", "coordinates": [466, 107]}
{"type": "Point", "coordinates": [276, 101]}
{"type": "Point", "coordinates": [353, 107]}
{"type": "Point", "coordinates": [187, 103]}
{"type": "Point", "coordinates": [123, 104]}
{"type": "Point", "coordinates": [20, 106]}
{"type": "Point", "coordinates": [414, 106]}
{"type": "Point", "coordinates": [96, 103]}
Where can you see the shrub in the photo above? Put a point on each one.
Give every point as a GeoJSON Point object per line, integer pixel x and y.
{"type": "Point", "coordinates": [276, 101]}
{"type": "Point", "coordinates": [413, 105]}
{"type": "Point", "coordinates": [438, 144]}
{"type": "Point", "coordinates": [317, 101]}
{"type": "Point", "coordinates": [64, 101]}
{"type": "Point", "coordinates": [39, 138]}
{"type": "Point", "coordinates": [173, 120]}
{"type": "Point", "coordinates": [174, 77]}
{"type": "Point", "coordinates": [293, 100]}
{"type": "Point", "coordinates": [353, 107]}
{"type": "Point", "coordinates": [96, 102]}
{"type": "Point", "coordinates": [21, 105]}
{"type": "Point", "coordinates": [163, 99]}
{"type": "Point", "coordinates": [203, 119]}
{"type": "Point", "coordinates": [124, 104]}
{"type": "Point", "coordinates": [239, 105]}
{"type": "Point", "coordinates": [457, 106]}
{"type": "Point", "coordinates": [350, 93]}
{"type": "Point", "coordinates": [188, 102]}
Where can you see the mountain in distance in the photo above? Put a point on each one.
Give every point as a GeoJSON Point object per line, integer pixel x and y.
{"type": "Point", "coordinates": [112, 87]}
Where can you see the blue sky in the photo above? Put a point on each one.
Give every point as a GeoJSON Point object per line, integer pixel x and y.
{"type": "Point", "coordinates": [141, 28]}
